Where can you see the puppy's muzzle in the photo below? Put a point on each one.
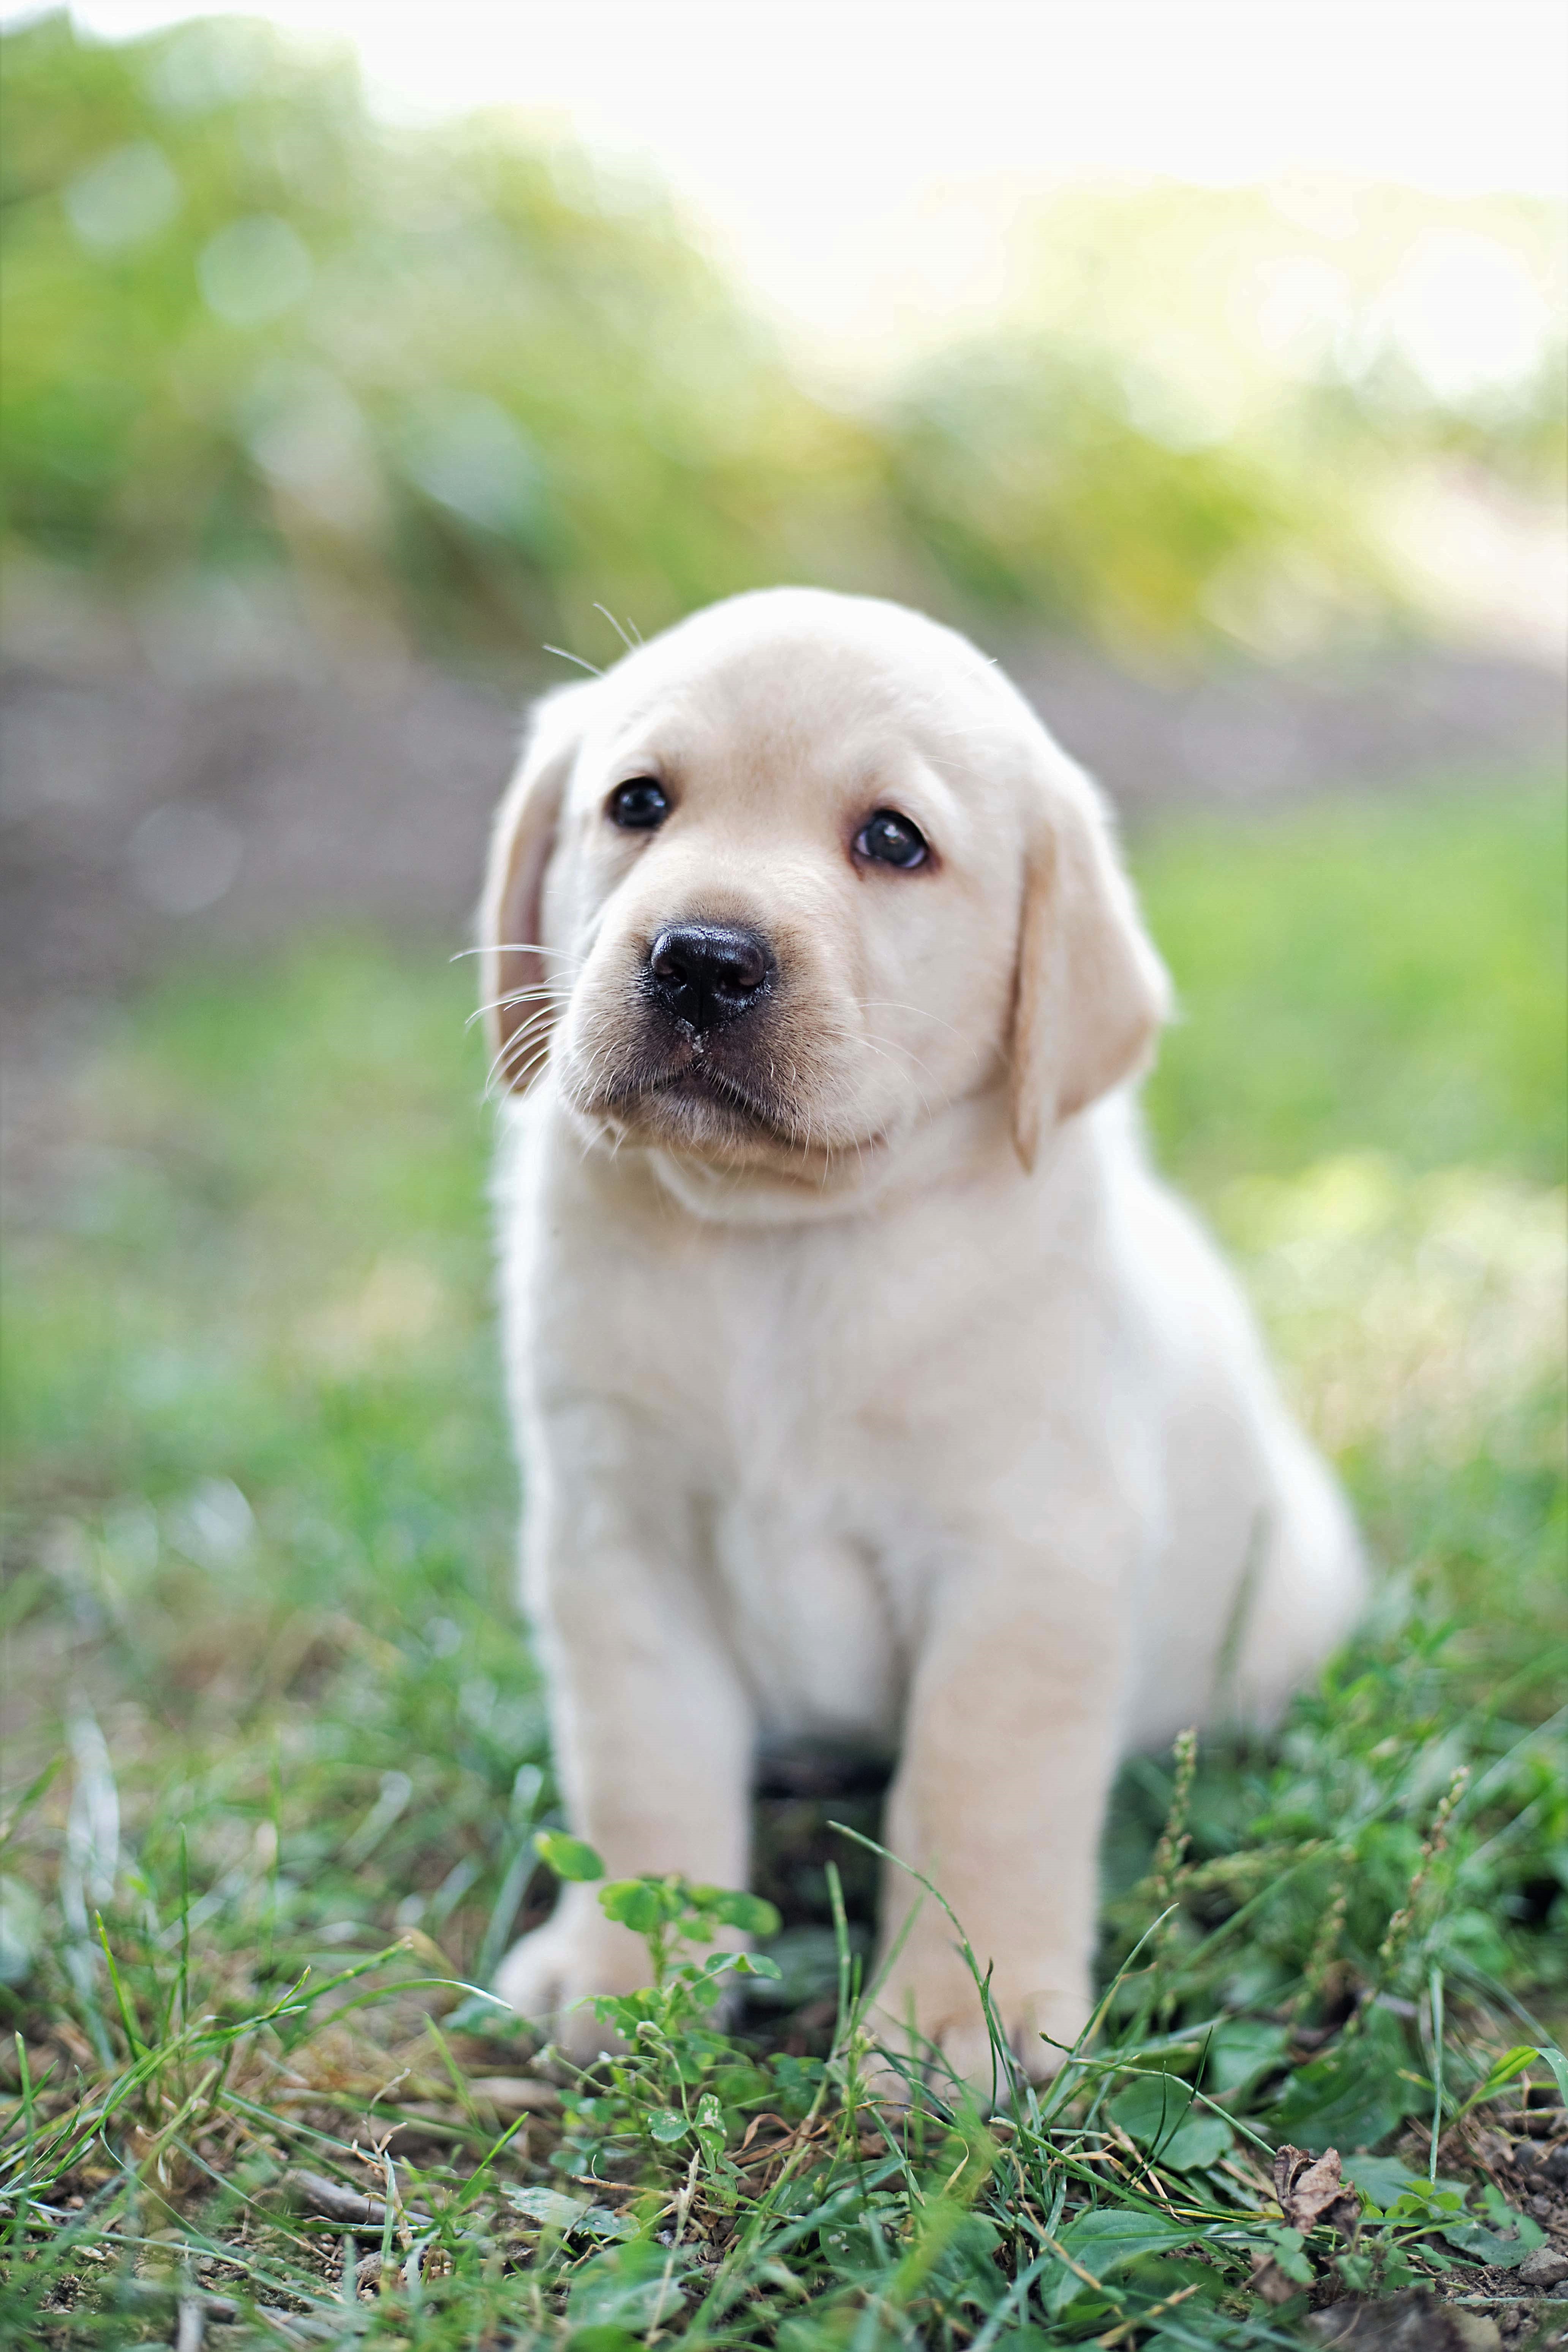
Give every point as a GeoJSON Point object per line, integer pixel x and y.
{"type": "Point", "coordinates": [705, 975]}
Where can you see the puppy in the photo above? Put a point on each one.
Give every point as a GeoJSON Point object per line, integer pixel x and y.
{"type": "Point", "coordinates": [868, 1384]}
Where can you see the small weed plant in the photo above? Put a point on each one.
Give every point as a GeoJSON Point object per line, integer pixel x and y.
{"type": "Point", "coordinates": [1199, 2170]}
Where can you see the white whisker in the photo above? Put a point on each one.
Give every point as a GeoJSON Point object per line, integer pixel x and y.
{"type": "Point", "coordinates": [575, 657]}
{"type": "Point", "coordinates": [507, 1063]}
{"type": "Point", "coordinates": [550, 995]}
{"type": "Point", "coordinates": [886, 1004]}
{"type": "Point", "coordinates": [614, 625]}
{"type": "Point", "coordinates": [514, 947]}
{"type": "Point", "coordinates": [514, 1079]}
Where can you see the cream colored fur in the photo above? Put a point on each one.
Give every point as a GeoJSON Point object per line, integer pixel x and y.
{"type": "Point", "coordinates": [918, 1412]}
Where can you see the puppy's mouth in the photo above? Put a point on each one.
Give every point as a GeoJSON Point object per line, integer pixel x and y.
{"type": "Point", "coordinates": [691, 1090]}
{"type": "Point", "coordinates": [701, 1080]}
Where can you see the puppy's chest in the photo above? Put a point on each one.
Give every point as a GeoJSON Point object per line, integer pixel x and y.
{"type": "Point", "coordinates": [773, 1402]}
{"type": "Point", "coordinates": [817, 1611]}
{"type": "Point", "coordinates": [816, 1570]}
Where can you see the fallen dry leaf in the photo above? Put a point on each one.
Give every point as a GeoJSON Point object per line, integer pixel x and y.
{"type": "Point", "coordinates": [1312, 2190]}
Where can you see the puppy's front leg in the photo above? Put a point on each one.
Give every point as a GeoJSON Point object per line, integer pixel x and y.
{"type": "Point", "coordinates": [1009, 1748]}
{"type": "Point", "coordinates": [653, 1729]}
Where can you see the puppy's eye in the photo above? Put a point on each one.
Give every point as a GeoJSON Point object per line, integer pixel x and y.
{"type": "Point", "coordinates": [640, 806]}
{"type": "Point", "coordinates": [890, 839]}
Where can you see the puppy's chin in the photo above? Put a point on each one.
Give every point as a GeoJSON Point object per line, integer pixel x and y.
{"type": "Point", "coordinates": [701, 1103]}
{"type": "Point", "coordinates": [695, 1111]}
{"type": "Point", "coordinates": [702, 1111]}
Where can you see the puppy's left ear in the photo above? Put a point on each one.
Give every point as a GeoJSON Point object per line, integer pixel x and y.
{"type": "Point", "coordinates": [1091, 991]}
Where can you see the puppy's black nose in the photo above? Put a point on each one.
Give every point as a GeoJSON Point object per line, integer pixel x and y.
{"type": "Point", "coordinates": [706, 973]}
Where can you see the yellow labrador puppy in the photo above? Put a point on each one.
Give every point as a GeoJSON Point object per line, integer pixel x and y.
{"type": "Point", "coordinates": [867, 1382]}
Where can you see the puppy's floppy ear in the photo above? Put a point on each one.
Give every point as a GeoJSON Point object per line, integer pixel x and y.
{"type": "Point", "coordinates": [1091, 991]}
{"type": "Point", "coordinates": [517, 1019]}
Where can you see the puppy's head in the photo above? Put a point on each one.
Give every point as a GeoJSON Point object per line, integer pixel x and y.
{"type": "Point", "coordinates": [794, 878]}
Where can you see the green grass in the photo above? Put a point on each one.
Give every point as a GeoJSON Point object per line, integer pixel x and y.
{"type": "Point", "coordinates": [1385, 975]}
{"type": "Point", "coordinates": [260, 1603]}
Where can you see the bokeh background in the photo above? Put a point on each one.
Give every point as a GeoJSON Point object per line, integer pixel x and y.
{"type": "Point", "coordinates": [1205, 363]}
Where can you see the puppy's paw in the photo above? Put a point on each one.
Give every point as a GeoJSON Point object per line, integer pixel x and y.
{"type": "Point", "coordinates": [933, 2016]}
{"type": "Point", "coordinates": [553, 1976]}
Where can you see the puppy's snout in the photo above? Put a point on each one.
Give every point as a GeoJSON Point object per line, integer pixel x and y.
{"type": "Point", "coordinates": [706, 973]}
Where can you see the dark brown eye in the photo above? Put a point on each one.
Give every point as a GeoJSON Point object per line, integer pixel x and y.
{"type": "Point", "coordinates": [640, 806]}
{"type": "Point", "coordinates": [889, 839]}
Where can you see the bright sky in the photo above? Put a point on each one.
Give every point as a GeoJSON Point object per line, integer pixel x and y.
{"type": "Point", "coordinates": [816, 140]}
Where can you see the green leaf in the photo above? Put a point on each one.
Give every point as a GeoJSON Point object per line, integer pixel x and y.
{"type": "Point", "coordinates": [640, 1904]}
{"type": "Point", "coordinates": [1328, 2102]}
{"type": "Point", "coordinates": [1159, 2112]}
{"type": "Point", "coordinates": [667, 2125]}
{"type": "Point", "coordinates": [1437, 2201]}
{"type": "Point", "coordinates": [1203, 2139]}
{"type": "Point", "coordinates": [624, 2287]}
{"type": "Point", "coordinates": [568, 1857]}
{"type": "Point", "coordinates": [1101, 2240]}
{"type": "Point", "coordinates": [481, 2012]}
{"type": "Point", "coordinates": [711, 2126]}
{"type": "Point", "coordinates": [1383, 2179]}
{"type": "Point", "coordinates": [1119, 2233]}
{"type": "Point", "coordinates": [548, 2207]}
{"type": "Point", "coordinates": [599, 2221]}
{"type": "Point", "coordinates": [1511, 2063]}
{"type": "Point", "coordinates": [1354, 2095]}
{"type": "Point", "coordinates": [1239, 2051]}
{"type": "Point", "coordinates": [1289, 2245]}
{"type": "Point", "coordinates": [756, 1964]}
{"type": "Point", "coordinates": [1559, 2065]}
{"type": "Point", "coordinates": [568, 2216]}
{"type": "Point", "coordinates": [964, 2271]}
{"type": "Point", "coordinates": [749, 1912]}
{"type": "Point", "coordinates": [1479, 2244]}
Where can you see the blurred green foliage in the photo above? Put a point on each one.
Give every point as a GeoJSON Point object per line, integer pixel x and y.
{"type": "Point", "coordinates": [436, 379]}
{"type": "Point", "coordinates": [450, 387]}
{"type": "Point", "coordinates": [1017, 463]}
{"type": "Point", "coordinates": [1383, 975]}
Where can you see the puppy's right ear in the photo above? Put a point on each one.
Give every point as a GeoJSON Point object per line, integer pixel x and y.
{"type": "Point", "coordinates": [515, 989]}
{"type": "Point", "coordinates": [1091, 990]}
